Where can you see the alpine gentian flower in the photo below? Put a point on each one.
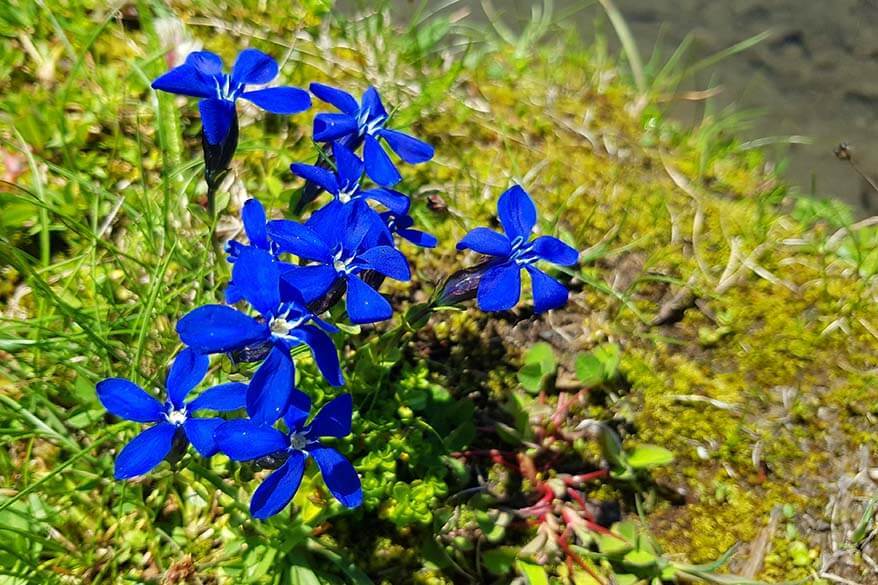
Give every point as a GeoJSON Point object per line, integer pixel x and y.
{"type": "Point", "coordinates": [401, 225]}
{"type": "Point", "coordinates": [253, 217]}
{"type": "Point", "coordinates": [500, 285]}
{"type": "Point", "coordinates": [285, 323]}
{"type": "Point", "coordinates": [364, 123]}
{"type": "Point", "coordinates": [245, 440]}
{"type": "Point", "coordinates": [341, 242]}
{"type": "Point", "coordinates": [174, 419]}
{"type": "Point", "coordinates": [344, 184]}
{"type": "Point", "coordinates": [202, 76]}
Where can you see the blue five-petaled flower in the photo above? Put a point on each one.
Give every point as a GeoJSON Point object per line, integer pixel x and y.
{"type": "Point", "coordinates": [254, 220]}
{"type": "Point", "coordinates": [364, 123]}
{"type": "Point", "coordinates": [500, 285]}
{"type": "Point", "coordinates": [175, 418]}
{"type": "Point", "coordinates": [344, 183]}
{"type": "Point", "coordinates": [245, 440]}
{"type": "Point", "coordinates": [342, 242]}
{"type": "Point", "coordinates": [202, 76]}
{"type": "Point", "coordinates": [285, 323]}
{"type": "Point", "coordinates": [401, 225]}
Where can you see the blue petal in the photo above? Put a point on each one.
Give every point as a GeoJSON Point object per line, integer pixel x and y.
{"type": "Point", "coordinates": [409, 148]}
{"type": "Point", "coordinates": [379, 167]}
{"type": "Point", "coordinates": [217, 117]}
{"type": "Point", "coordinates": [254, 67]}
{"type": "Point", "coordinates": [419, 238]}
{"type": "Point", "coordinates": [188, 369]}
{"type": "Point", "coordinates": [297, 411]}
{"type": "Point", "coordinates": [329, 127]}
{"type": "Point", "coordinates": [349, 166]}
{"type": "Point", "coordinates": [364, 304]}
{"type": "Point", "coordinates": [327, 222]}
{"type": "Point", "coordinates": [243, 440]}
{"type": "Point", "coordinates": [379, 234]}
{"type": "Point", "coordinates": [358, 221]}
{"type": "Point", "coordinates": [339, 475]}
{"type": "Point", "coordinates": [205, 62]}
{"type": "Point", "coordinates": [233, 293]}
{"type": "Point", "coordinates": [392, 200]}
{"type": "Point", "coordinates": [500, 287]}
{"type": "Point", "coordinates": [312, 282]}
{"type": "Point", "coordinates": [371, 103]}
{"type": "Point", "coordinates": [257, 277]}
{"type": "Point", "coordinates": [324, 352]}
{"type": "Point", "coordinates": [278, 489]}
{"type": "Point", "coordinates": [292, 297]}
{"type": "Point", "coordinates": [145, 451]}
{"type": "Point", "coordinates": [280, 100]}
{"type": "Point", "coordinates": [127, 400]}
{"type": "Point", "coordinates": [548, 293]}
{"type": "Point", "coordinates": [253, 216]}
{"type": "Point", "coordinates": [185, 80]}
{"type": "Point", "coordinates": [295, 238]}
{"type": "Point", "coordinates": [517, 213]}
{"type": "Point", "coordinates": [220, 329]}
{"type": "Point", "coordinates": [222, 398]}
{"type": "Point", "coordinates": [321, 177]}
{"type": "Point", "coordinates": [338, 98]}
{"type": "Point", "coordinates": [555, 251]}
{"type": "Point", "coordinates": [388, 261]}
{"type": "Point", "coordinates": [269, 391]}
{"type": "Point", "coordinates": [233, 249]}
{"type": "Point", "coordinates": [486, 241]}
{"type": "Point", "coordinates": [334, 419]}
{"type": "Point", "coordinates": [200, 433]}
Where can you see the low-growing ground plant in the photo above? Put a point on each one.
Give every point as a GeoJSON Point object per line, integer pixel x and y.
{"type": "Point", "coordinates": [425, 304]}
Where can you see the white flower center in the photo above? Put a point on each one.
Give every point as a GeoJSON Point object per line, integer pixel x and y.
{"type": "Point", "coordinates": [341, 265]}
{"type": "Point", "coordinates": [298, 441]}
{"type": "Point", "coordinates": [224, 89]}
{"type": "Point", "coordinates": [176, 417]}
{"type": "Point", "coordinates": [281, 327]}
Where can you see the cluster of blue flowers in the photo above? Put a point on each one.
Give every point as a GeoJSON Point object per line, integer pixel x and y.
{"type": "Point", "coordinates": [345, 249]}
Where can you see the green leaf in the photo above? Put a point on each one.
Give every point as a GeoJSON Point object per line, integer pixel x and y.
{"type": "Point", "coordinates": [542, 353]}
{"type": "Point", "coordinates": [609, 354]}
{"type": "Point", "coordinates": [589, 370]}
{"type": "Point", "coordinates": [626, 579]}
{"type": "Point", "coordinates": [640, 559]}
{"type": "Point", "coordinates": [611, 448]}
{"type": "Point", "coordinates": [612, 545]}
{"type": "Point", "coordinates": [535, 574]}
{"type": "Point", "coordinates": [499, 561]}
{"type": "Point", "coordinates": [649, 456]}
{"type": "Point", "coordinates": [531, 377]}
{"type": "Point", "coordinates": [494, 528]}
{"type": "Point", "coordinates": [539, 364]}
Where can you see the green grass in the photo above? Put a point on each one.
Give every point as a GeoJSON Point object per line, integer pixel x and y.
{"type": "Point", "coordinates": [104, 244]}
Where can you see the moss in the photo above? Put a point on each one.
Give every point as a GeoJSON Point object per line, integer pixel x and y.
{"type": "Point", "coordinates": [764, 388]}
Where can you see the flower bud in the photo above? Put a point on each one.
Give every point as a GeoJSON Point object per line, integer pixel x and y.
{"type": "Point", "coordinates": [217, 157]}
{"type": "Point", "coordinates": [461, 286]}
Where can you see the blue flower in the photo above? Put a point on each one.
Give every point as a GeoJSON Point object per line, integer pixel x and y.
{"type": "Point", "coordinates": [245, 440]}
{"type": "Point", "coordinates": [401, 225]}
{"type": "Point", "coordinates": [202, 76]}
{"type": "Point", "coordinates": [344, 183]}
{"type": "Point", "coordinates": [175, 418]}
{"type": "Point", "coordinates": [284, 323]}
{"type": "Point", "coordinates": [364, 123]}
{"type": "Point", "coordinates": [500, 285]}
{"type": "Point", "coordinates": [253, 217]}
{"type": "Point", "coordinates": [342, 242]}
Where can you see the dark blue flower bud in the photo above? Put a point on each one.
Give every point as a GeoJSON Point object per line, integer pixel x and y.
{"type": "Point", "coordinates": [461, 286]}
